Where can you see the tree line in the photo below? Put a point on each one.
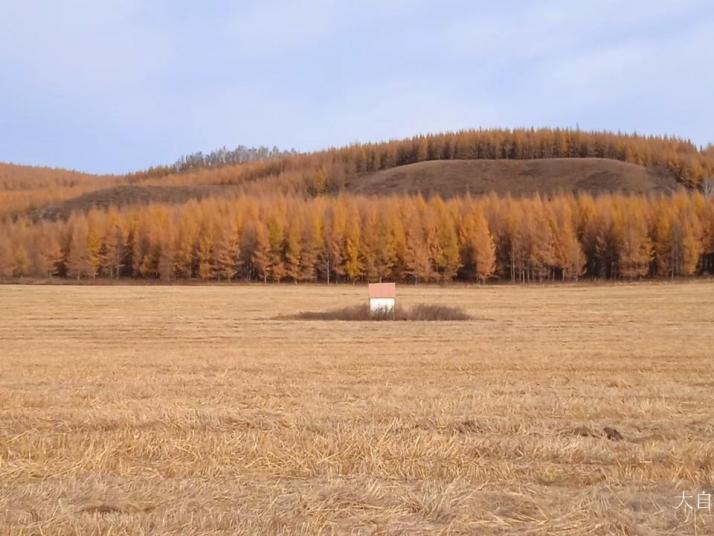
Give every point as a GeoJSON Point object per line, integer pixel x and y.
{"type": "Point", "coordinates": [215, 159]}
{"type": "Point", "coordinates": [348, 239]}
{"type": "Point", "coordinates": [327, 171]}
{"type": "Point", "coordinates": [262, 171]}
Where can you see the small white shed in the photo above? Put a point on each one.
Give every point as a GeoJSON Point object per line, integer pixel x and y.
{"type": "Point", "coordinates": [382, 297]}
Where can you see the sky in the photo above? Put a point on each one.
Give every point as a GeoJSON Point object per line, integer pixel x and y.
{"type": "Point", "coordinates": [111, 86]}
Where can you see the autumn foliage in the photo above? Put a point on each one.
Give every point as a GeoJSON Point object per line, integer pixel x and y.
{"type": "Point", "coordinates": [327, 171]}
{"type": "Point", "coordinates": [349, 239]}
{"type": "Point", "coordinates": [284, 217]}
{"type": "Point", "coordinates": [26, 188]}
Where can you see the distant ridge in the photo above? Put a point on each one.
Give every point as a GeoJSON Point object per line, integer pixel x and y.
{"type": "Point", "coordinates": [520, 162]}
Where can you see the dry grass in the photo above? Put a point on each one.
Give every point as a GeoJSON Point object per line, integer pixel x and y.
{"type": "Point", "coordinates": [358, 313]}
{"type": "Point", "coordinates": [186, 410]}
{"type": "Point", "coordinates": [546, 176]}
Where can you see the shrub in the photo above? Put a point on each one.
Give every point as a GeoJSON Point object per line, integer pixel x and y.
{"type": "Point", "coordinates": [421, 312]}
{"type": "Point", "coordinates": [425, 311]}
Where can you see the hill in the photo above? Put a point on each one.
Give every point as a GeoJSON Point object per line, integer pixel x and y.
{"type": "Point", "coordinates": [450, 178]}
{"type": "Point", "coordinates": [15, 177]}
{"type": "Point", "coordinates": [126, 195]}
{"type": "Point", "coordinates": [447, 178]}
{"type": "Point", "coordinates": [328, 171]}
{"type": "Point", "coordinates": [25, 189]}
{"type": "Point", "coordinates": [520, 162]}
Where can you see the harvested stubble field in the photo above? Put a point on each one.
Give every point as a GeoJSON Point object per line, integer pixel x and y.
{"type": "Point", "coordinates": [191, 410]}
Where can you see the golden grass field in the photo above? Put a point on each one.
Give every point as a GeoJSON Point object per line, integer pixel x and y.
{"type": "Point", "coordinates": [190, 410]}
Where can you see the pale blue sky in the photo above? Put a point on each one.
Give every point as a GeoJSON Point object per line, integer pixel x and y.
{"type": "Point", "coordinates": [118, 85]}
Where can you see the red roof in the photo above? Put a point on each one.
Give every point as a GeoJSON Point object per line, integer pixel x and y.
{"type": "Point", "coordinates": [382, 290]}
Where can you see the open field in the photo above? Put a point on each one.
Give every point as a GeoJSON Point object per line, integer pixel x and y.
{"type": "Point", "coordinates": [190, 410]}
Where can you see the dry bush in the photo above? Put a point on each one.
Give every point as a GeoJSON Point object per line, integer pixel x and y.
{"type": "Point", "coordinates": [425, 311]}
{"type": "Point", "coordinates": [355, 313]}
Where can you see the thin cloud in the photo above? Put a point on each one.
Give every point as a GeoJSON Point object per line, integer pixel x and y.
{"type": "Point", "coordinates": [124, 84]}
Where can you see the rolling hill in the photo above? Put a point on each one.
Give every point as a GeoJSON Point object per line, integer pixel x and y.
{"type": "Point", "coordinates": [26, 189]}
{"type": "Point", "coordinates": [14, 177]}
{"type": "Point", "coordinates": [450, 178]}
{"type": "Point", "coordinates": [447, 178]}
{"type": "Point", "coordinates": [127, 195]}
{"type": "Point", "coordinates": [518, 162]}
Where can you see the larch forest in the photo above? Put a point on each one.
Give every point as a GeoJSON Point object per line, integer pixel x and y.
{"type": "Point", "coordinates": [278, 216]}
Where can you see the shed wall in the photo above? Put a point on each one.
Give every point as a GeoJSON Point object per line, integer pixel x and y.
{"type": "Point", "coordinates": [383, 304]}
